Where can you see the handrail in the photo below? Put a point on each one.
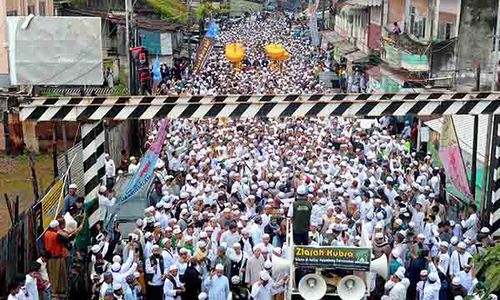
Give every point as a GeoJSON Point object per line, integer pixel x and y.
{"type": "Point", "coordinates": [290, 254]}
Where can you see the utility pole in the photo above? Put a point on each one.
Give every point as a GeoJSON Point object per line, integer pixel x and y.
{"type": "Point", "coordinates": [495, 52]}
{"type": "Point", "coordinates": [127, 45]}
{"type": "Point", "coordinates": [491, 136]}
{"type": "Point", "coordinates": [474, 140]}
{"type": "Point", "coordinates": [190, 22]}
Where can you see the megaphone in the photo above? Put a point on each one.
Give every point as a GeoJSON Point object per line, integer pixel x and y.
{"type": "Point", "coordinates": [280, 265]}
{"type": "Point", "coordinates": [380, 266]}
{"type": "Point", "coordinates": [351, 287]}
{"type": "Point", "coordinates": [312, 287]}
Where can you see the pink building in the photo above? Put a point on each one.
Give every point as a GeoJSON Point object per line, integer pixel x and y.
{"type": "Point", "coordinates": [17, 8]}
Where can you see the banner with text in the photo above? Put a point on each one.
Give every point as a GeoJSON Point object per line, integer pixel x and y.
{"type": "Point", "coordinates": [202, 54]}
{"type": "Point", "coordinates": [147, 165]}
{"type": "Point", "coordinates": [52, 203]}
{"type": "Point", "coordinates": [329, 257]}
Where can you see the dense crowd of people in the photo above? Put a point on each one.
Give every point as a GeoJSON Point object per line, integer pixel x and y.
{"type": "Point", "coordinates": [299, 74]}
{"type": "Point", "coordinates": [223, 192]}
{"type": "Point", "coordinates": [227, 193]}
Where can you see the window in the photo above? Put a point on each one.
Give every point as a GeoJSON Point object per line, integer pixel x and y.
{"type": "Point", "coordinates": [417, 23]}
{"type": "Point", "coordinates": [448, 30]}
{"type": "Point", "coordinates": [41, 8]}
{"type": "Point", "coordinates": [31, 9]}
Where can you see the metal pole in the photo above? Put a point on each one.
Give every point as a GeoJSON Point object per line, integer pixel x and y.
{"type": "Point", "coordinates": [127, 44]}
{"type": "Point", "coordinates": [489, 162]}
{"type": "Point", "coordinates": [189, 32]}
{"type": "Point", "coordinates": [474, 159]}
{"type": "Point", "coordinates": [495, 56]}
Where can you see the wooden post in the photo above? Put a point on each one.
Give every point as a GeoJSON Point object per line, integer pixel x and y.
{"type": "Point", "coordinates": [54, 151]}
{"type": "Point", "coordinates": [9, 208]}
{"type": "Point", "coordinates": [34, 179]}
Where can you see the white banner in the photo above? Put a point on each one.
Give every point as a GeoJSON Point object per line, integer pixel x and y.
{"type": "Point", "coordinates": [166, 43]}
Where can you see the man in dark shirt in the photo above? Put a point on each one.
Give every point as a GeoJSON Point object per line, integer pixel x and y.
{"type": "Point", "coordinates": [301, 217]}
{"type": "Point", "coordinates": [70, 198]}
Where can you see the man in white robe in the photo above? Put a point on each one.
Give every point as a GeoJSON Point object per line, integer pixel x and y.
{"type": "Point", "coordinates": [255, 264]}
{"type": "Point", "coordinates": [397, 286]}
{"type": "Point", "coordinates": [217, 284]}
{"type": "Point", "coordinates": [172, 288]}
{"type": "Point", "coordinates": [459, 258]}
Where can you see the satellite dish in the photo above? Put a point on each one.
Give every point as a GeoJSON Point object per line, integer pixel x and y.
{"type": "Point", "coordinates": [312, 287]}
{"type": "Point", "coordinates": [351, 288]}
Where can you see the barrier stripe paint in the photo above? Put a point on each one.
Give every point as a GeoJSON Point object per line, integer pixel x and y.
{"type": "Point", "coordinates": [93, 137]}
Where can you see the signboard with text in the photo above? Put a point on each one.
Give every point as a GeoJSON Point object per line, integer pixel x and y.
{"type": "Point", "coordinates": [330, 257]}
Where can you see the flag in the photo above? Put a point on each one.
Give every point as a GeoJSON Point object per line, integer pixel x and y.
{"type": "Point", "coordinates": [82, 239]}
{"type": "Point", "coordinates": [451, 157]}
{"type": "Point", "coordinates": [52, 203]}
{"type": "Point", "coordinates": [146, 167]}
{"type": "Point", "coordinates": [213, 30]}
{"type": "Point", "coordinates": [156, 69]}
{"type": "Point", "coordinates": [206, 46]}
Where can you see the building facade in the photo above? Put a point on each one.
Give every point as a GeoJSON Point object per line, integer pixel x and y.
{"type": "Point", "coordinates": [411, 43]}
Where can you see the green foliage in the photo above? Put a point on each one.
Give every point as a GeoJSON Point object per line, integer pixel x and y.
{"type": "Point", "coordinates": [207, 9]}
{"type": "Point", "coordinates": [172, 10]}
{"type": "Point", "coordinates": [489, 264]}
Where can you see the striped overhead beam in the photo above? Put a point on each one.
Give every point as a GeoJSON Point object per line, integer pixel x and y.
{"type": "Point", "coordinates": [272, 106]}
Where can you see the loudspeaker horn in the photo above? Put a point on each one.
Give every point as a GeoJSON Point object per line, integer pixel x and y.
{"type": "Point", "coordinates": [280, 265]}
{"type": "Point", "coordinates": [312, 287]}
{"type": "Point", "coordinates": [380, 266]}
{"type": "Point", "coordinates": [351, 287]}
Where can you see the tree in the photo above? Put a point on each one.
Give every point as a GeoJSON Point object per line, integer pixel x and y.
{"type": "Point", "coordinates": [488, 265]}
{"type": "Point", "coordinates": [173, 10]}
{"type": "Point", "coordinates": [208, 9]}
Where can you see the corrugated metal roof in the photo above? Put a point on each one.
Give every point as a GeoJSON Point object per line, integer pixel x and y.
{"type": "Point", "coordinates": [464, 125]}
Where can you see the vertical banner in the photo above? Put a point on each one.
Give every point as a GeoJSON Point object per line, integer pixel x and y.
{"type": "Point", "coordinates": [451, 157]}
{"type": "Point", "coordinates": [206, 46]}
{"type": "Point", "coordinates": [313, 22]}
{"type": "Point", "coordinates": [146, 166]}
{"type": "Point", "coordinates": [202, 54]}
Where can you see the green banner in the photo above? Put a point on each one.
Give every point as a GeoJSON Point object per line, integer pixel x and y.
{"type": "Point", "coordinates": [328, 257]}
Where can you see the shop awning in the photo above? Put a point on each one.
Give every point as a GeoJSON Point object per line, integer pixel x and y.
{"type": "Point", "coordinates": [358, 57]}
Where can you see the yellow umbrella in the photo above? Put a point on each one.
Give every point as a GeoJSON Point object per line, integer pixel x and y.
{"type": "Point", "coordinates": [275, 52]}
{"type": "Point", "coordinates": [235, 53]}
